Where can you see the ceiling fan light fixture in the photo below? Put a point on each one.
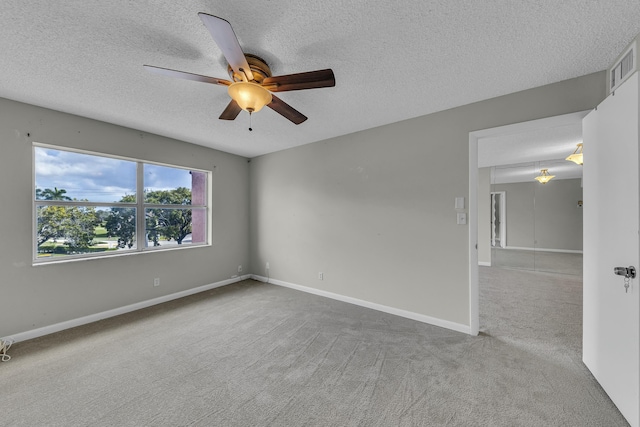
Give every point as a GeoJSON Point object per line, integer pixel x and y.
{"type": "Point", "coordinates": [576, 157]}
{"type": "Point", "coordinates": [250, 96]}
{"type": "Point", "coordinates": [544, 176]}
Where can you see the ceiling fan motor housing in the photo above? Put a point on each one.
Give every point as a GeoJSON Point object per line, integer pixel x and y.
{"type": "Point", "coordinates": [258, 66]}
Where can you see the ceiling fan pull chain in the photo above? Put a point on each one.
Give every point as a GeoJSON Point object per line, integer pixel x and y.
{"type": "Point", "coordinates": [250, 122]}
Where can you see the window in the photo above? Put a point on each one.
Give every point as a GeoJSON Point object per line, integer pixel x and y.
{"type": "Point", "coordinates": [88, 205]}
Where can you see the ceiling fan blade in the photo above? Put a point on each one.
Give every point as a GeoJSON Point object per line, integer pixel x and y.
{"type": "Point", "coordinates": [286, 110]}
{"type": "Point", "coordinates": [227, 41]}
{"type": "Point", "coordinates": [299, 81]}
{"type": "Point", "coordinates": [188, 76]}
{"type": "Point", "coordinates": [231, 112]}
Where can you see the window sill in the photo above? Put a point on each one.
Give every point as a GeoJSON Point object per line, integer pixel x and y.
{"type": "Point", "coordinates": [78, 258]}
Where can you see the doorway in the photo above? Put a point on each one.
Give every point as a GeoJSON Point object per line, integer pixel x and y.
{"type": "Point", "coordinates": [498, 219]}
{"type": "Point", "coordinates": [519, 150]}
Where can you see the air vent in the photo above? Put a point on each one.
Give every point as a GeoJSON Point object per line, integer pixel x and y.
{"type": "Point", "coordinates": [623, 68]}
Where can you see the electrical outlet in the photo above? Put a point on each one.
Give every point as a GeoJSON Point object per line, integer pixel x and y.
{"type": "Point", "coordinates": [321, 276]}
{"type": "Point", "coordinates": [239, 269]}
{"type": "Point", "coordinates": [267, 265]}
{"type": "Point", "coordinates": [156, 281]}
{"type": "Point", "coordinates": [461, 218]}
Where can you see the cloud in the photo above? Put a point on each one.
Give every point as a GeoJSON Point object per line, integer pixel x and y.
{"type": "Point", "coordinates": [100, 179]}
{"type": "Point", "coordinates": [158, 177]}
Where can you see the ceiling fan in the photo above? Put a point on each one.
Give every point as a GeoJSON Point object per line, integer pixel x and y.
{"type": "Point", "coordinates": [251, 84]}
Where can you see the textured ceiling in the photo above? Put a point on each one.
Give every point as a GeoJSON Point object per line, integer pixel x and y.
{"type": "Point", "coordinates": [392, 60]}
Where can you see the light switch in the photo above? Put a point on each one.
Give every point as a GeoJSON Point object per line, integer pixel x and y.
{"type": "Point", "coordinates": [462, 218]}
{"type": "Point", "coordinates": [459, 202]}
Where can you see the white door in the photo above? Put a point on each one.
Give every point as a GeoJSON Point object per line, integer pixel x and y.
{"type": "Point", "coordinates": [611, 326]}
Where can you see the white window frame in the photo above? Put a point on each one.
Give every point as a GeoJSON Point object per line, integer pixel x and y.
{"type": "Point", "coordinates": [140, 207]}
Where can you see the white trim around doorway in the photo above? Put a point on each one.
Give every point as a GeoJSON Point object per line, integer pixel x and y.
{"type": "Point", "coordinates": [474, 137]}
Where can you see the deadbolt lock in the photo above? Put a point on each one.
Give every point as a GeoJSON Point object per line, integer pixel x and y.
{"type": "Point", "coordinates": [627, 272]}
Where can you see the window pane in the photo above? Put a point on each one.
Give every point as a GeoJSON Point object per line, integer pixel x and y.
{"type": "Point", "coordinates": [166, 185]}
{"type": "Point", "coordinates": [165, 227]}
{"type": "Point", "coordinates": [65, 175]}
{"type": "Point", "coordinates": [72, 230]}
{"type": "Point", "coordinates": [120, 227]}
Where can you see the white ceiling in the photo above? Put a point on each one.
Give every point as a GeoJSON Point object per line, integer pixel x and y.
{"type": "Point", "coordinates": [392, 60]}
{"type": "Point", "coordinates": [526, 172]}
{"type": "Point", "coordinates": [518, 152]}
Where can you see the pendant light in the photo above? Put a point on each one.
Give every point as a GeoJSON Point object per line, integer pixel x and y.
{"type": "Point", "coordinates": [544, 176]}
{"type": "Point", "coordinates": [576, 157]}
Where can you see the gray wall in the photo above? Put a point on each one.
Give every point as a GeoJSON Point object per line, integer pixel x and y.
{"type": "Point", "coordinates": [33, 297]}
{"type": "Point", "coordinates": [544, 216]}
{"type": "Point", "coordinates": [374, 210]}
{"type": "Point", "coordinates": [520, 213]}
{"type": "Point", "coordinates": [558, 217]}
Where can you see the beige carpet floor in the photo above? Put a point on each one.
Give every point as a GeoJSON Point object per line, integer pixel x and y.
{"type": "Point", "coordinates": [253, 354]}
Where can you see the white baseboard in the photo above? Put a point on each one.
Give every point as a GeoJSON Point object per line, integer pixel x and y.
{"type": "Point", "coordinates": [46, 330]}
{"type": "Point", "coordinates": [564, 251]}
{"type": "Point", "coordinates": [374, 306]}
{"type": "Point", "coordinates": [484, 263]}
{"type": "Point", "coordinates": [50, 329]}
